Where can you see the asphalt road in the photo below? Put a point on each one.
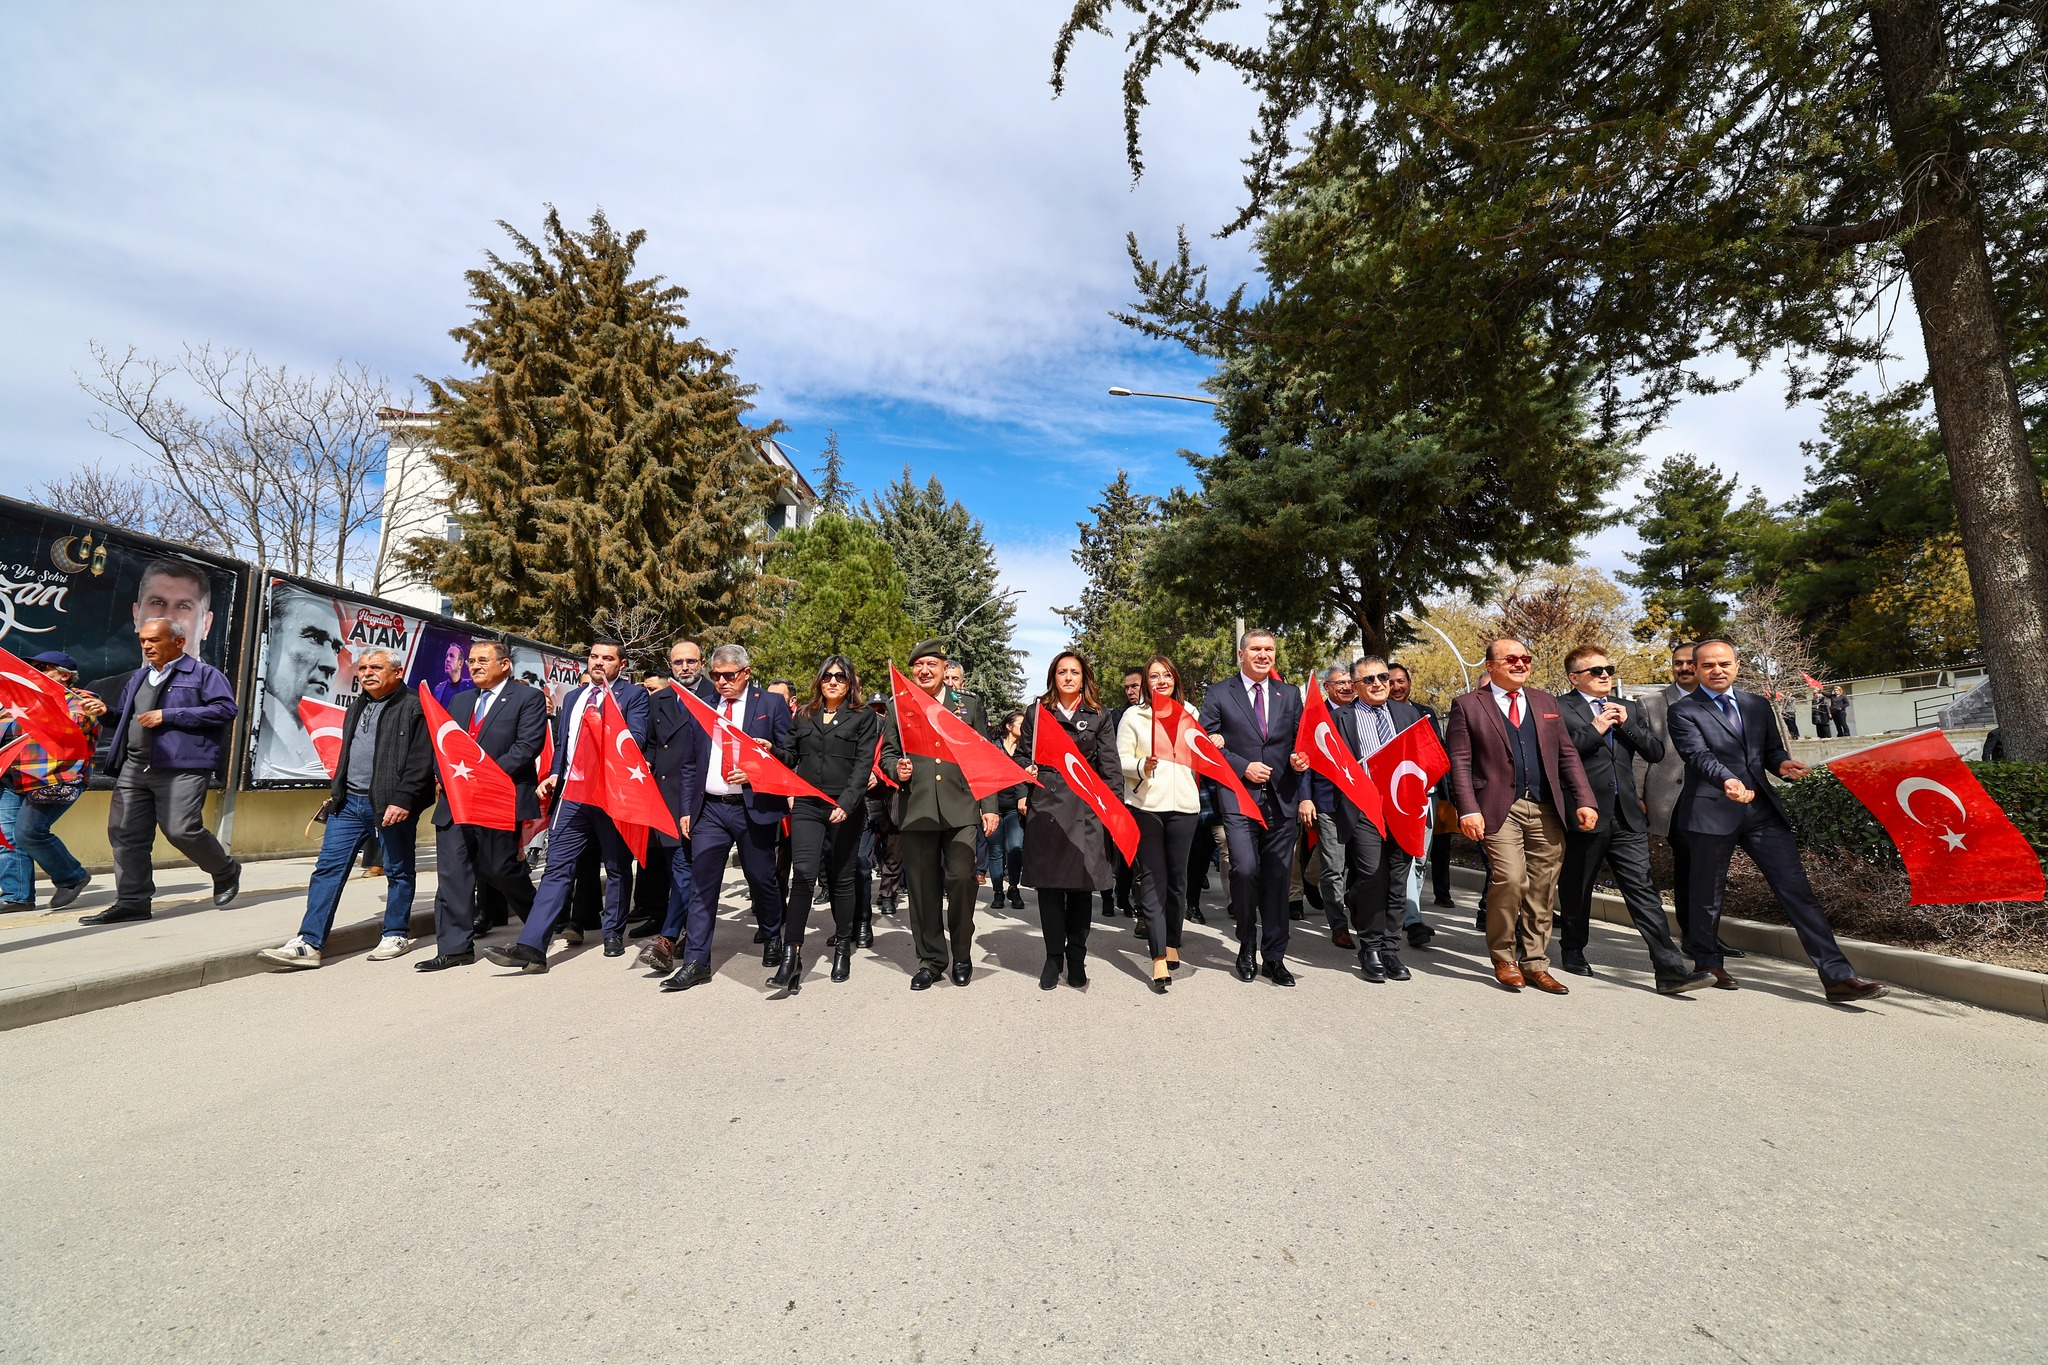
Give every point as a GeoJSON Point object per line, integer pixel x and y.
{"type": "Point", "coordinates": [363, 1164]}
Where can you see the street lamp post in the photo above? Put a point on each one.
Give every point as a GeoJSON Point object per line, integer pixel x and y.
{"type": "Point", "coordinates": [1013, 592]}
{"type": "Point", "coordinates": [1463, 666]}
{"type": "Point", "coordinates": [1140, 393]}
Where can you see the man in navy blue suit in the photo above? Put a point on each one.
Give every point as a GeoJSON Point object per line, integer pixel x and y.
{"type": "Point", "coordinates": [1252, 716]}
{"type": "Point", "coordinates": [677, 748]}
{"type": "Point", "coordinates": [722, 812]}
{"type": "Point", "coordinates": [577, 824]}
{"type": "Point", "coordinates": [1729, 741]}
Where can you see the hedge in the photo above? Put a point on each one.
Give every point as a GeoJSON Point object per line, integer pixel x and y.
{"type": "Point", "coordinates": [1831, 822]}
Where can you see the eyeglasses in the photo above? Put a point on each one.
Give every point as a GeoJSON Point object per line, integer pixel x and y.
{"type": "Point", "coordinates": [682, 663]}
{"type": "Point", "coordinates": [1511, 659]}
{"type": "Point", "coordinates": [1368, 679]}
{"type": "Point", "coordinates": [727, 674]}
{"type": "Point", "coordinates": [834, 676]}
{"type": "Point", "coordinates": [1597, 671]}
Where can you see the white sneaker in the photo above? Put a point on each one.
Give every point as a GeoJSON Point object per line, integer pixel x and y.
{"type": "Point", "coordinates": [297, 953]}
{"type": "Point", "coordinates": [392, 945]}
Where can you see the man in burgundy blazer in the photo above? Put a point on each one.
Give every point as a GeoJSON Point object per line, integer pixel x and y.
{"type": "Point", "coordinates": [1516, 778]}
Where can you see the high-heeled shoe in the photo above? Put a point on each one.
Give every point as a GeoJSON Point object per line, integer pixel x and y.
{"type": "Point", "coordinates": [790, 971]}
{"type": "Point", "coordinates": [842, 961]}
{"type": "Point", "coordinates": [1160, 979]}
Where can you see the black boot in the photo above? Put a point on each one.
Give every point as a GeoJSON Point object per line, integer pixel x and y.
{"type": "Point", "coordinates": [842, 960]}
{"type": "Point", "coordinates": [1049, 977]}
{"type": "Point", "coordinates": [789, 971]}
{"type": "Point", "coordinates": [1077, 970]}
{"type": "Point", "coordinates": [864, 935]}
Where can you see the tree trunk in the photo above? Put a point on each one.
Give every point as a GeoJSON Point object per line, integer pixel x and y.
{"type": "Point", "coordinates": [1999, 504]}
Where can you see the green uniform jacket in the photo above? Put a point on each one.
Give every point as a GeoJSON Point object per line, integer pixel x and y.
{"type": "Point", "coordinates": [936, 796]}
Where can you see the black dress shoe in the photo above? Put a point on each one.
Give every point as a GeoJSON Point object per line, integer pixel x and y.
{"type": "Point", "coordinates": [1296, 911]}
{"type": "Point", "coordinates": [1575, 963]}
{"type": "Point", "coordinates": [771, 953]}
{"type": "Point", "coordinates": [842, 961]}
{"type": "Point", "coordinates": [1277, 973]}
{"type": "Point", "coordinates": [227, 886]}
{"type": "Point", "coordinates": [483, 931]}
{"type": "Point", "coordinates": [1016, 899]}
{"type": "Point", "coordinates": [1726, 951]}
{"type": "Point", "coordinates": [646, 928]}
{"type": "Point", "coordinates": [1247, 966]}
{"type": "Point", "coordinates": [765, 936]}
{"type": "Point", "coordinates": [519, 957]}
{"type": "Point", "coordinates": [443, 962]}
{"type": "Point", "coordinates": [1049, 975]}
{"type": "Point", "coordinates": [1442, 904]}
{"type": "Point", "coordinates": [1077, 973]}
{"type": "Point", "coordinates": [1373, 969]}
{"type": "Point", "coordinates": [1397, 970]}
{"type": "Point", "coordinates": [1195, 914]}
{"type": "Point", "coordinates": [572, 934]}
{"type": "Point", "coordinates": [1419, 935]}
{"type": "Point", "coordinates": [1108, 908]}
{"type": "Point", "coordinates": [1479, 922]}
{"type": "Point", "coordinates": [961, 971]}
{"type": "Point", "coordinates": [688, 975]}
{"type": "Point", "coordinates": [117, 914]}
{"type": "Point", "coordinates": [1680, 985]}
{"type": "Point", "coordinates": [614, 946]}
{"type": "Point", "coordinates": [925, 979]}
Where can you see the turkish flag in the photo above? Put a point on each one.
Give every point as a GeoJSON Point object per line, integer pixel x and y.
{"type": "Point", "coordinates": [1957, 844]}
{"type": "Point", "coordinates": [926, 728]}
{"type": "Point", "coordinates": [323, 721]}
{"type": "Point", "coordinates": [1812, 682]}
{"type": "Point", "coordinates": [1317, 739]}
{"type": "Point", "coordinates": [1175, 734]}
{"type": "Point", "coordinates": [1416, 752]}
{"type": "Point", "coordinates": [1050, 746]}
{"type": "Point", "coordinates": [608, 771]}
{"type": "Point", "coordinates": [479, 791]}
{"type": "Point", "coordinates": [36, 702]}
{"type": "Point", "coordinates": [765, 772]}
{"type": "Point", "coordinates": [544, 764]}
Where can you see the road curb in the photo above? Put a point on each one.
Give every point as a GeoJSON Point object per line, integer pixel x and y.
{"type": "Point", "coordinates": [2007, 989]}
{"type": "Point", "coordinates": [83, 994]}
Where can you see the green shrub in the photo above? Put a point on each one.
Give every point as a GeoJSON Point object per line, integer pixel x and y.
{"type": "Point", "coordinates": [1831, 822]}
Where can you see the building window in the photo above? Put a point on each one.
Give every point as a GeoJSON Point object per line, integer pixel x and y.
{"type": "Point", "coordinates": [1918, 682]}
{"type": "Point", "coordinates": [452, 529]}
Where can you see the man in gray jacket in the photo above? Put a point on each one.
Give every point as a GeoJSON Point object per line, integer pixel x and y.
{"type": "Point", "coordinates": [1660, 782]}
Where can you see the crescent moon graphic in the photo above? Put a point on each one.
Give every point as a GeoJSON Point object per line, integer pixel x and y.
{"type": "Point", "coordinates": [1406, 767]}
{"type": "Point", "coordinates": [326, 731]}
{"type": "Point", "coordinates": [1907, 789]}
{"type": "Point", "coordinates": [446, 726]}
{"type": "Point", "coordinates": [34, 684]}
{"type": "Point", "coordinates": [1070, 763]}
{"type": "Point", "coordinates": [63, 560]}
{"type": "Point", "coordinates": [1323, 743]}
{"type": "Point", "coordinates": [619, 742]}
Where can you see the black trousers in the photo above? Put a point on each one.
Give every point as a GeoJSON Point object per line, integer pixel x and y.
{"type": "Point", "coordinates": [471, 858]}
{"type": "Point", "coordinates": [1376, 887]}
{"type": "Point", "coordinates": [938, 879]}
{"type": "Point", "coordinates": [1769, 843]}
{"type": "Point", "coordinates": [1681, 881]}
{"type": "Point", "coordinates": [1261, 865]}
{"type": "Point", "coordinates": [1627, 853]}
{"type": "Point", "coordinates": [1201, 856]}
{"type": "Point", "coordinates": [1164, 838]}
{"type": "Point", "coordinates": [1063, 915]}
{"type": "Point", "coordinates": [1440, 867]}
{"type": "Point", "coordinates": [817, 847]}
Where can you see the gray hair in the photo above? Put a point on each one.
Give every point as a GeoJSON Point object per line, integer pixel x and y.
{"type": "Point", "coordinates": [1256, 633]}
{"type": "Point", "coordinates": [176, 627]}
{"type": "Point", "coordinates": [499, 649]}
{"type": "Point", "coordinates": [386, 655]}
{"type": "Point", "coordinates": [1514, 638]}
{"type": "Point", "coordinates": [1336, 671]}
{"type": "Point", "coordinates": [1362, 660]}
{"type": "Point", "coordinates": [731, 654]}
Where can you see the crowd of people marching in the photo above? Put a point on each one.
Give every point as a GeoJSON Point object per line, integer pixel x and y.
{"type": "Point", "coordinates": [905, 799]}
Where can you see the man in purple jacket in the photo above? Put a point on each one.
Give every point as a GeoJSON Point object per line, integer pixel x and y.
{"type": "Point", "coordinates": [173, 723]}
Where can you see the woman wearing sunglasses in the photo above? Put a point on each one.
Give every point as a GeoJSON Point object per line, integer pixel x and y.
{"type": "Point", "coordinates": [1066, 850]}
{"type": "Point", "coordinates": [831, 744]}
{"type": "Point", "coordinates": [1167, 802]}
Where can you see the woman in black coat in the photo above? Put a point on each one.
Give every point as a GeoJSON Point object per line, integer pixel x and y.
{"type": "Point", "coordinates": [831, 744]}
{"type": "Point", "coordinates": [1066, 850]}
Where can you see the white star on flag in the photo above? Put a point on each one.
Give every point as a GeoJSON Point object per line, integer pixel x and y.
{"type": "Point", "coordinates": [1953, 839]}
{"type": "Point", "coordinates": [637, 773]}
{"type": "Point", "coordinates": [460, 769]}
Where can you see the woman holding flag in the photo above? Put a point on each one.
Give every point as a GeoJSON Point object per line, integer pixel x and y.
{"type": "Point", "coordinates": [1166, 800]}
{"type": "Point", "coordinates": [832, 744]}
{"type": "Point", "coordinates": [1066, 856]}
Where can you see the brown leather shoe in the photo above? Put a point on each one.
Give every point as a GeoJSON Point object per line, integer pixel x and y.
{"type": "Point", "coordinates": [1342, 938]}
{"type": "Point", "coordinates": [1509, 975]}
{"type": "Point", "coordinates": [1545, 982]}
{"type": "Point", "coordinates": [659, 953]}
{"type": "Point", "coordinates": [1723, 981]}
{"type": "Point", "coordinates": [1854, 989]}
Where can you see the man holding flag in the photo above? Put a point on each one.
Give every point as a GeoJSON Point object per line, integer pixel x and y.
{"type": "Point", "coordinates": [1376, 866]}
{"type": "Point", "coordinates": [505, 721]}
{"type": "Point", "coordinates": [581, 817]}
{"type": "Point", "coordinates": [948, 777]}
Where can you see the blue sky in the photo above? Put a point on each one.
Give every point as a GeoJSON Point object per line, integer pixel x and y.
{"type": "Point", "coordinates": [878, 207]}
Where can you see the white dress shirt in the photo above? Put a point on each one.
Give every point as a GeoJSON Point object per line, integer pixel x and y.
{"type": "Point", "coordinates": [714, 780]}
{"type": "Point", "coordinates": [1500, 698]}
{"type": "Point", "coordinates": [486, 698]}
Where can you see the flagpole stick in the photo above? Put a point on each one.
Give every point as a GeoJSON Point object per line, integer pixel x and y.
{"type": "Point", "coordinates": [1910, 734]}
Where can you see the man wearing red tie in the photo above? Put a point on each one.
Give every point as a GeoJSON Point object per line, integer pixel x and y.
{"type": "Point", "coordinates": [1516, 778]}
{"type": "Point", "coordinates": [508, 720]}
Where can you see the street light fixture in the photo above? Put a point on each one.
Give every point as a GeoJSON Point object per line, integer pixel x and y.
{"type": "Point", "coordinates": [1140, 393]}
{"type": "Point", "coordinates": [1463, 666]}
{"type": "Point", "coordinates": [1013, 592]}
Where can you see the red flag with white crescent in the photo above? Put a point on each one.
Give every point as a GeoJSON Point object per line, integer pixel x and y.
{"type": "Point", "coordinates": [1176, 735]}
{"type": "Point", "coordinates": [928, 729]}
{"type": "Point", "coordinates": [1318, 741]}
{"type": "Point", "coordinates": [1050, 747]}
{"type": "Point", "coordinates": [323, 721]}
{"type": "Point", "coordinates": [765, 772]}
{"type": "Point", "coordinates": [1958, 845]}
{"type": "Point", "coordinates": [631, 796]}
{"type": "Point", "coordinates": [544, 764]}
{"type": "Point", "coordinates": [37, 703]}
{"type": "Point", "coordinates": [1415, 755]}
{"type": "Point", "coordinates": [479, 792]}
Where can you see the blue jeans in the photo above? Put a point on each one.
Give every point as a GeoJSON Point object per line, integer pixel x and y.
{"type": "Point", "coordinates": [27, 827]}
{"type": "Point", "coordinates": [345, 830]}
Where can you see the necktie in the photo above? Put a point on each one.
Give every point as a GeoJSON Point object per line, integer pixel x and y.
{"type": "Point", "coordinates": [728, 743]}
{"type": "Point", "coordinates": [1386, 727]}
{"type": "Point", "coordinates": [1259, 705]}
{"type": "Point", "coordinates": [1727, 705]}
{"type": "Point", "coordinates": [1515, 709]}
{"type": "Point", "coordinates": [476, 717]}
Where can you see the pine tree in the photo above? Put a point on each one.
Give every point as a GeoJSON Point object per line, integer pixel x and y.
{"type": "Point", "coordinates": [1109, 621]}
{"type": "Point", "coordinates": [1692, 532]}
{"type": "Point", "coordinates": [836, 493]}
{"type": "Point", "coordinates": [949, 570]}
{"type": "Point", "coordinates": [599, 458]}
{"type": "Point", "coordinates": [839, 592]}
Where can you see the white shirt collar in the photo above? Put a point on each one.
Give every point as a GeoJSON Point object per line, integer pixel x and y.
{"type": "Point", "coordinates": [1499, 691]}
{"type": "Point", "coordinates": [1595, 702]}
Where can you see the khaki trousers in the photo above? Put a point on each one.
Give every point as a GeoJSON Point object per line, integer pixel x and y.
{"type": "Point", "coordinates": [1523, 859]}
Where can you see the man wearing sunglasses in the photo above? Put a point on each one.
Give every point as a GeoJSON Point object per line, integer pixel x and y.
{"type": "Point", "coordinates": [1610, 734]}
{"type": "Point", "coordinates": [1517, 781]}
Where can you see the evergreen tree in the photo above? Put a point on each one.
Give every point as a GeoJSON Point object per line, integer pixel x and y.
{"type": "Point", "coordinates": [599, 458]}
{"type": "Point", "coordinates": [1109, 622]}
{"type": "Point", "coordinates": [1692, 532]}
{"type": "Point", "coordinates": [950, 577]}
{"type": "Point", "coordinates": [838, 591]}
{"type": "Point", "coordinates": [835, 492]}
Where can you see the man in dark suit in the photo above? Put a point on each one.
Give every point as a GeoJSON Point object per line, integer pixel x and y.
{"type": "Point", "coordinates": [1730, 744]}
{"type": "Point", "coordinates": [1399, 687]}
{"type": "Point", "coordinates": [1518, 784]}
{"type": "Point", "coordinates": [654, 886]}
{"type": "Point", "coordinates": [1375, 867]}
{"type": "Point", "coordinates": [1610, 734]}
{"type": "Point", "coordinates": [577, 825]}
{"type": "Point", "coordinates": [937, 818]}
{"type": "Point", "coordinates": [508, 720]}
{"type": "Point", "coordinates": [1252, 716]}
{"type": "Point", "coordinates": [718, 810]}
{"type": "Point", "coordinates": [679, 752]}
